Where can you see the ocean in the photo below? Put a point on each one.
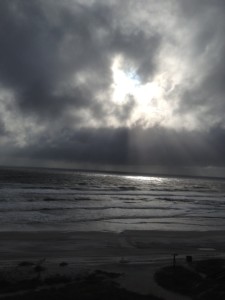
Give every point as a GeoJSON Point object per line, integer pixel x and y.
{"type": "Point", "coordinates": [33, 199]}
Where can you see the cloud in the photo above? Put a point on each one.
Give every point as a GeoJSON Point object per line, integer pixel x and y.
{"type": "Point", "coordinates": [58, 86]}
{"type": "Point", "coordinates": [137, 147]}
{"type": "Point", "coordinates": [202, 94]}
{"type": "Point", "coordinates": [61, 60]}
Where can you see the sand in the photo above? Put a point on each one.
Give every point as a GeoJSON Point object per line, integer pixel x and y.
{"type": "Point", "coordinates": [97, 247]}
{"type": "Point", "coordinates": [137, 255]}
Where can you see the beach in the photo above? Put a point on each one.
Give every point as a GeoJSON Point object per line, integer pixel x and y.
{"type": "Point", "coordinates": [137, 255]}
{"type": "Point", "coordinates": [97, 246]}
{"type": "Point", "coordinates": [87, 233]}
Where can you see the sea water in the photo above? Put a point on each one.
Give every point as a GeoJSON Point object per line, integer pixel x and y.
{"type": "Point", "coordinates": [68, 200]}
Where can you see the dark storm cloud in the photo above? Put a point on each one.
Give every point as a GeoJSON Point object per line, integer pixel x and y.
{"type": "Point", "coordinates": [103, 145]}
{"type": "Point", "coordinates": [154, 146]}
{"type": "Point", "coordinates": [45, 44]}
{"type": "Point", "coordinates": [33, 61]}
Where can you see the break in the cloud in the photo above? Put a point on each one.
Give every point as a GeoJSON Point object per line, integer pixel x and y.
{"type": "Point", "coordinates": [128, 83]}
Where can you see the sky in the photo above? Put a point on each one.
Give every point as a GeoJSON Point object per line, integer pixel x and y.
{"type": "Point", "coordinates": [113, 85]}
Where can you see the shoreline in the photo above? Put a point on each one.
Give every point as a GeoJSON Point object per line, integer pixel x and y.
{"type": "Point", "coordinates": [131, 243]}
{"type": "Point", "coordinates": [136, 255]}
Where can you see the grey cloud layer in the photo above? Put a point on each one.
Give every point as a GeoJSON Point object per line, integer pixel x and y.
{"type": "Point", "coordinates": [55, 79]}
{"type": "Point", "coordinates": [43, 51]}
{"type": "Point", "coordinates": [137, 147]}
{"type": "Point", "coordinates": [205, 94]}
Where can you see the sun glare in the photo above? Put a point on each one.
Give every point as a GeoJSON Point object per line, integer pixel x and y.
{"type": "Point", "coordinates": [123, 83]}
{"type": "Point", "coordinates": [154, 179]}
{"type": "Point", "coordinates": [150, 107]}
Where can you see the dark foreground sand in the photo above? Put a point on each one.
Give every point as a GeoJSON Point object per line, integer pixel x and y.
{"type": "Point", "coordinates": [135, 255]}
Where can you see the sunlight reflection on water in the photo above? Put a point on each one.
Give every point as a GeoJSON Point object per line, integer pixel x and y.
{"type": "Point", "coordinates": [147, 178]}
{"type": "Point", "coordinates": [68, 200]}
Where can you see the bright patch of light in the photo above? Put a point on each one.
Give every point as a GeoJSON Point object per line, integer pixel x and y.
{"type": "Point", "coordinates": [147, 178]}
{"type": "Point", "coordinates": [150, 107]}
{"type": "Point", "coordinates": [123, 83]}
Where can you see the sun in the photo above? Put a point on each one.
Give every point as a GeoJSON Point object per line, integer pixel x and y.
{"type": "Point", "coordinates": [124, 83]}
{"type": "Point", "coordinates": [150, 106]}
